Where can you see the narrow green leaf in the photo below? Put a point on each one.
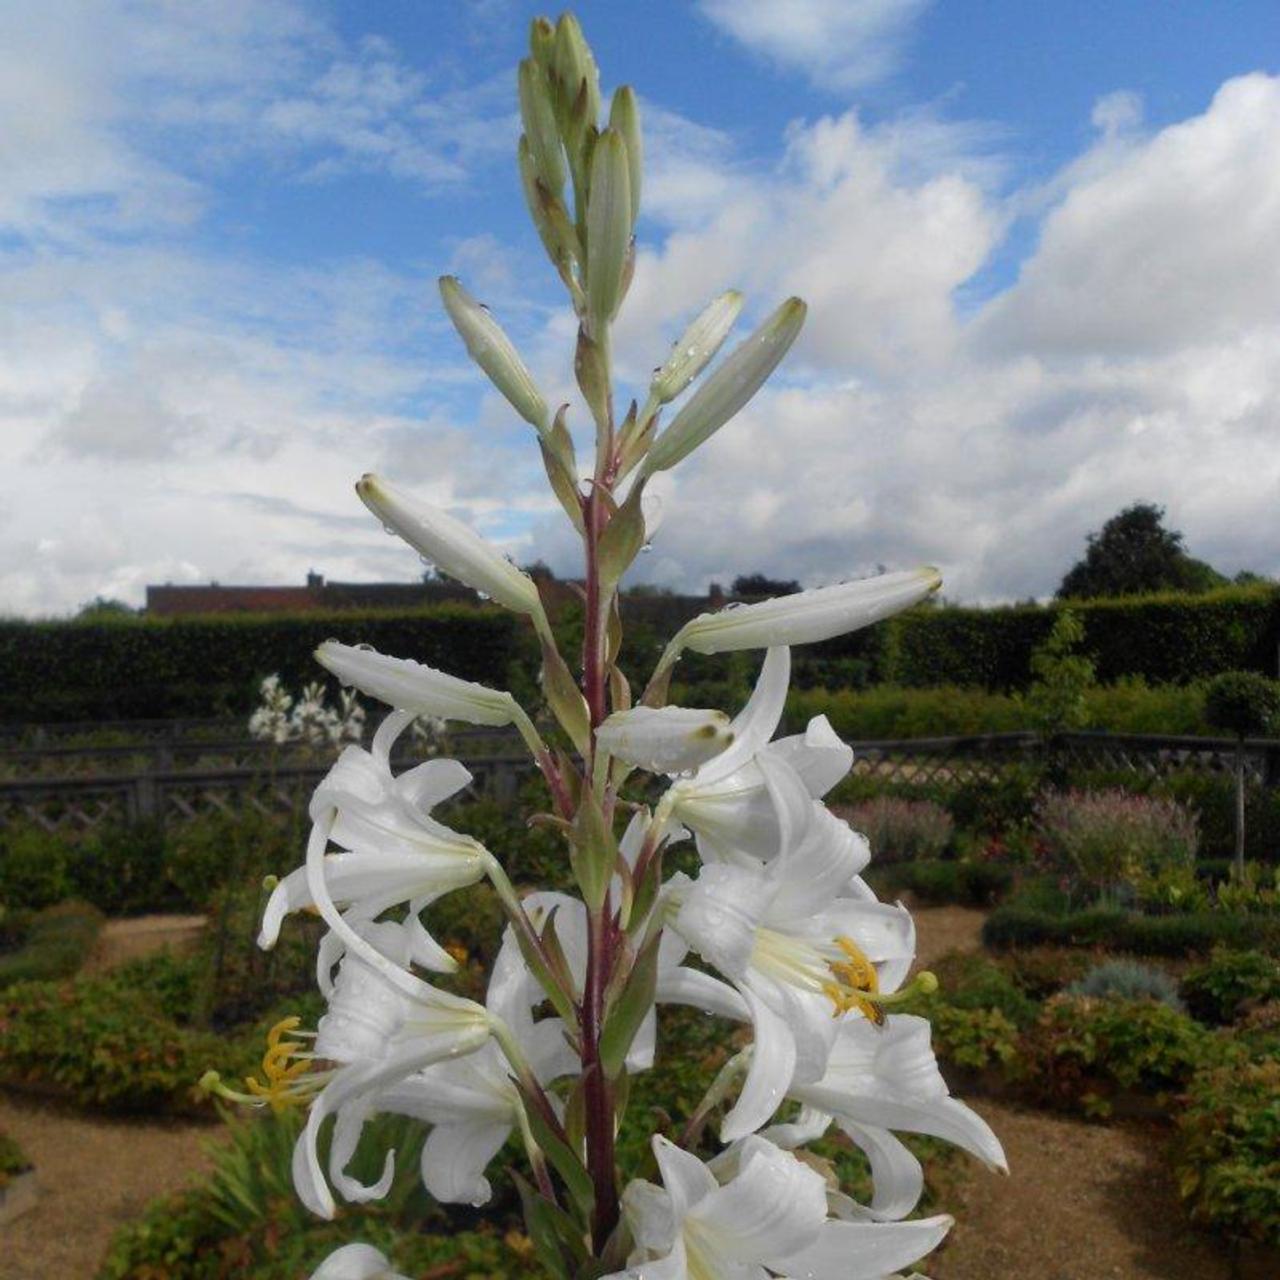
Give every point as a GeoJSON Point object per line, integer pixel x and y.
{"type": "Point", "coordinates": [557, 1239]}
{"type": "Point", "coordinates": [565, 699]}
{"type": "Point", "coordinates": [572, 1171]}
{"type": "Point", "coordinates": [628, 1010]}
{"type": "Point", "coordinates": [594, 851]}
{"type": "Point", "coordinates": [592, 372]}
{"type": "Point", "coordinates": [622, 538]}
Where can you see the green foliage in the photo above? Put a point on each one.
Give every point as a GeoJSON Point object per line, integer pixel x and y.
{"type": "Point", "coordinates": [55, 943]}
{"type": "Point", "coordinates": [1041, 972]}
{"type": "Point", "coordinates": [934, 882]}
{"type": "Point", "coordinates": [1134, 553]}
{"type": "Point", "coordinates": [33, 867]}
{"type": "Point", "coordinates": [901, 830]}
{"type": "Point", "coordinates": [1172, 935]}
{"type": "Point", "coordinates": [1217, 990]}
{"type": "Point", "coordinates": [13, 1160]}
{"type": "Point", "coordinates": [125, 668]}
{"type": "Point", "coordinates": [1082, 1051]}
{"type": "Point", "coordinates": [1056, 700]}
{"type": "Point", "coordinates": [976, 1038]}
{"type": "Point", "coordinates": [101, 1045]}
{"type": "Point", "coordinates": [1227, 1155]}
{"type": "Point", "coordinates": [245, 1220]}
{"type": "Point", "coordinates": [972, 980]}
{"type": "Point", "coordinates": [1128, 980]}
{"type": "Point", "coordinates": [1243, 703]}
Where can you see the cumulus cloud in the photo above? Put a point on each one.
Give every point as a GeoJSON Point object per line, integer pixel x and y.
{"type": "Point", "coordinates": [838, 44]}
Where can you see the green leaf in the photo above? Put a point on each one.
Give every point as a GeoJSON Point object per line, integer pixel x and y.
{"type": "Point", "coordinates": [626, 1014]}
{"type": "Point", "coordinates": [594, 852]}
{"type": "Point", "coordinates": [622, 538]}
{"type": "Point", "coordinates": [566, 1163]}
{"type": "Point", "coordinates": [565, 698]}
{"type": "Point", "coordinates": [556, 1238]}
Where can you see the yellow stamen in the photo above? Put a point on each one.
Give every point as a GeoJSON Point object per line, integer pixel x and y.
{"type": "Point", "coordinates": [284, 1066]}
{"type": "Point", "coordinates": [856, 984]}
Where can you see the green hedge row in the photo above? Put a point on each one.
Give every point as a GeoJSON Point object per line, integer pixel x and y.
{"type": "Point", "coordinates": [1171, 935]}
{"type": "Point", "coordinates": [135, 668]}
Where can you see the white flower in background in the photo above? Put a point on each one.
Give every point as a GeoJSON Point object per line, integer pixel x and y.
{"type": "Point", "coordinates": [797, 951]}
{"type": "Point", "coordinates": [727, 802]}
{"type": "Point", "coordinates": [270, 719]}
{"type": "Point", "coordinates": [769, 1219]}
{"type": "Point", "coordinates": [356, 1262]}
{"type": "Point", "coordinates": [310, 720]}
{"type": "Point", "coordinates": [472, 1104]}
{"type": "Point", "coordinates": [391, 850]}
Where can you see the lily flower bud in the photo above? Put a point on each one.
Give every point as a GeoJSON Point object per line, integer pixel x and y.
{"type": "Point", "coordinates": [540, 128]}
{"type": "Point", "coordinates": [696, 347]}
{"type": "Point", "coordinates": [413, 686]}
{"type": "Point", "coordinates": [624, 115]}
{"type": "Point", "coordinates": [451, 545]}
{"type": "Point", "coordinates": [808, 616]}
{"type": "Point", "coordinates": [495, 353]}
{"type": "Point", "coordinates": [670, 740]}
{"type": "Point", "coordinates": [356, 1262]}
{"type": "Point", "coordinates": [728, 388]}
{"type": "Point", "coordinates": [608, 227]}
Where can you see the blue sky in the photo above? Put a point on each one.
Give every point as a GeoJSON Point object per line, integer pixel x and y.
{"type": "Point", "coordinates": [1038, 243]}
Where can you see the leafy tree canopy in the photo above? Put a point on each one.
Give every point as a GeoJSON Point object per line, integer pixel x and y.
{"type": "Point", "coordinates": [1134, 554]}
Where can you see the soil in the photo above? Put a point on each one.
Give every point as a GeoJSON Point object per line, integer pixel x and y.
{"type": "Point", "coordinates": [124, 940]}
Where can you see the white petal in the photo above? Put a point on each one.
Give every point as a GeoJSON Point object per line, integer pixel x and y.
{"type": "Point", "coordinates": [720, 914]}
{"type": "Point", "coordinates": [863, 1250]}
{"type": "Point", "coordinates": [342, 1146]}
{"type": "Point", "coordinates": [757, 722]}
{"type": "Point", "coordinates": [773, 1061]}
{"type": "Point", "coordinates": [649, 1215]}
{"type": "Point", "coordinates": [701, 991]}
{"type": "Point", "coordinates": [818, 755]}
{"type": "Point", "coordinates": [355, 1262]}
{"type": "Point", "coordinates": [454, 1159]}
{"type": "Point", "coordinates": [897, 1178]}
{"type": "Point", "coordinates": [819, 868]}
{"type": "Point", "coordinates": [772, 1207]}
{"type": "Point", "coordinates": [686, 1179]}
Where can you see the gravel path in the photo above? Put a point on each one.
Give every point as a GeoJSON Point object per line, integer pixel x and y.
{"type": "Point", "coordinates": [1082, 1202]}
{"type": "Point", "coordinates": [93, 1174]}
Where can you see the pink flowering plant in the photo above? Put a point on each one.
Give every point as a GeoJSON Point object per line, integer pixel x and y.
{"type": "Point", "coordinates": [776, 931]}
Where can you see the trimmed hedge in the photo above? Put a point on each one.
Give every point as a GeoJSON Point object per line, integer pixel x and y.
{"type": "Point", "coordinates": [135, 668]}
{"type": "Point", "coordinates": [1171, 935]}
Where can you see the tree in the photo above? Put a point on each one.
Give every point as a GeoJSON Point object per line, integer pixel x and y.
{"type": "Point", "coordinates": [758, 584]}
{"type": "Point", "coordinates": [1134, 553]}
{"type": "Point", "coordinates": [101, 607]}
{"type": "Point", "coordinates": [1063, 678]}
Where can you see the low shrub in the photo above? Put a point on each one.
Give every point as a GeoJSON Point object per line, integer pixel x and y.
{"type": "Point", "coordinates": [1198, 933]}
{"type": "Point", "coordinates": [1217, 991]}
{"type": "Point", "coordinates": [100, 1044]}
{"type": "Point", "coordinates": [1111, 837]}
{"type": "Point", "coordinates": [1041, 972]}
{"type": "Point", "coordinates": [33, 867]}
{"type": "Point", "coordinates": [935, 882]}
{"type": "Point", "coordinates": [1083, 1051]}
{"type": "Point", "coordinates": [1128, 980]}
{"type": "Point", "coordinates": [902, 830]}
{"type": "Point", "coordinates": [972, 980]}
{"type": "Point", "coordinates": [1227, 1153]}
{"type": "Point", "coordinates": [55, 943]}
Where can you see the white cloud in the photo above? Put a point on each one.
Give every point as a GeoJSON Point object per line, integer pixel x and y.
{"type": "Point", "coordinates": [839, 44]}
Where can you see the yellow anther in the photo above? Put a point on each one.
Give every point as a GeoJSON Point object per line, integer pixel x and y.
{"type": "Point", "coordinates": [284, 1064]}
{"type": "Point", "coordinates": [856, 984]}
{"type": "Point", "coordinates": [457, 951]}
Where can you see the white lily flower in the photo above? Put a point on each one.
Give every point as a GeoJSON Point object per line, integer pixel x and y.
{"type": "Point", "coordinates": [356, 1262]}
{"type": "Point", "coordinates": [882, 1079]}
{"type": "Point", "coordinates": [666, 739]}
{"type": "Point", "coordinates": [413, 686]}
{"type": "Point", "coordinates": [379, 1033]}
{"type": "Point", "coordinates": [727, 803]}
{"type": "Point", "coordinates": [451, 545]}
{"type": "Point", "coordinates": [797, 952]}
{"type": "Point", "coordinates": [805, 617]}
{"type": "Point", "coordinates": [769, 1219]}
{"type": "Point", "coordinates": [392, 849]}
{"type": "Point", "coordinates": [472, 1103]}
